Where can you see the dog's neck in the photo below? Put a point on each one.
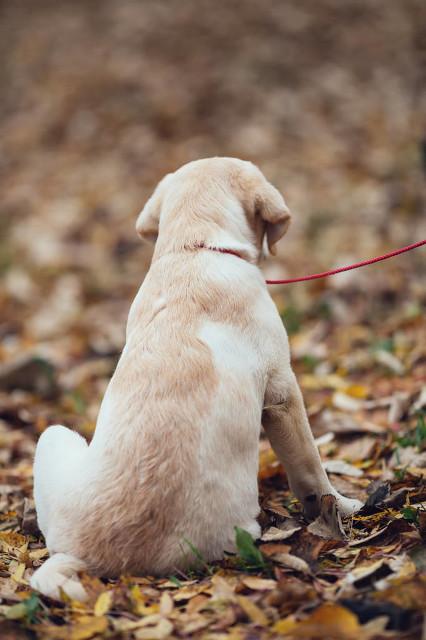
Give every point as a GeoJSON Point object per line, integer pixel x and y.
{"type": "Point", "coordinates": [232, 252]}
{"type": "Point", "coordinates": [198, 237]}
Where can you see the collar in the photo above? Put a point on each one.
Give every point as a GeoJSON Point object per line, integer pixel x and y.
{"type": "Point", "coordinates": [232, 252]}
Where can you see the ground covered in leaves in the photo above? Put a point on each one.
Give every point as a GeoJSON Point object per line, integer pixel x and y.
{"type": "Point", "coordinates": [99, 100]}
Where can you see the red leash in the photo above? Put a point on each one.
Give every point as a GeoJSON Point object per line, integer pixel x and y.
{"type": "Point", "coordinates": [324, 274]}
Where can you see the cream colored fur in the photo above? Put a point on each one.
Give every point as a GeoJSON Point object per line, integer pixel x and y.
{"type": "Point", "coordinates": [174, 457]}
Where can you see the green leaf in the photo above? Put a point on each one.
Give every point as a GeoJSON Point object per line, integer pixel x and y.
{"type": "Point", "coordinates": [197, 553]}
{"type": "Point", "coordinates": [292, 319]}
{"type": "Point", "coordinates": [416, 437]}
{"type": "Point", "coordinates": [247, 550]}
{"type": "Point", "coordinates": [420, 434]}
{"type": "Point", "coordinates": [411, 514]}
{"type": "Point", "coordinates": [400, 474]}
{"type": "Point", "coordinates": [384, 344]}
{"type": "Point", "coordinates": [310, 362]}
{"type": "Point", "coordinates": [25, 609]}
{"type": "Point", "coordinates": [175, 581]}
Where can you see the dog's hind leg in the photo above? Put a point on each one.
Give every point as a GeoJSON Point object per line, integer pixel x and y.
{"type": "Point", "coordinates": [58, 573]}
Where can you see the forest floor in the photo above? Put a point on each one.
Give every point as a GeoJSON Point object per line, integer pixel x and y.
{"type": "Point", "coordinates": [100, 100]}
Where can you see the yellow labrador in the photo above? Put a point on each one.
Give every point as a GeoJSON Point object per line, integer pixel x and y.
{"type": "Point", "coordinates": [174, 457]}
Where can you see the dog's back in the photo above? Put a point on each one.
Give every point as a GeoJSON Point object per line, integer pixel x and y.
{"type": "Point", "coordinates": [174, 458]}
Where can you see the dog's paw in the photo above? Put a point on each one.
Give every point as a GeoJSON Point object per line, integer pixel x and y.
{"type": "Point", "coordinates": [57, 574]}
{"type": "Point", "coordinates": [347, 506]}
{"type": "Point", "coordinates": [52, 585]}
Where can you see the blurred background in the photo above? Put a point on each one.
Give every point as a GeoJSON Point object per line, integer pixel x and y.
{"type": "Point", "coordinates": [100, 99]}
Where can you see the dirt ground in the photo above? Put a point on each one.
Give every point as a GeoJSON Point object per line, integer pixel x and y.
{"type": "Point", "coordinates": [99, 99]}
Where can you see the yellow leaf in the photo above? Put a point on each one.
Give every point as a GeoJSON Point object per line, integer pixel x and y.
{"type": "Point", "coordinates": [12, 539]}
{"type": "Point", "coordinates": [269, 465]}
{"type": "Point", "coordinates": [357, 391]}
{"type": "Point", "coordinates": [18, 574]}
{"type": "Point", "coordinates": [259, 584]}
{"type": "Point", "coordinates": [285, 626]}
{"type": "Point", "coordinates": [103, 603]}
{"type": "Point", "coordinates": [252, 611]}
{"type": "Point", "coordinates": [85, 628]}
{"type": "Point", "coordinates": [162, 630]}
{"type": "Point", "coordinates": [222, 589]}
{"type": "Point", "coordinates": [336, 616]}
{"type": "Point", "coordinates": [331, 381]}
{"type": "Point", "coordinates": [38, 554]}
{"type": "Point", "coordinates": [166, 604]}
{"type": "Point", "coordinates": [328, 621]}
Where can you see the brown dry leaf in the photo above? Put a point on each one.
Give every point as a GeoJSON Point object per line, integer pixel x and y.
{"type": "Point", "coordinates": [269, 465]}
{"type": "Point", "coordinates": [379, 531]}
{"type": "Point", "coordinates": [259, 584]}
{"type": "Point", "coordinates": [70, 264]}
{"type": "Point", "coordinates": [252, 611]}
{"type": "Point", "coordinates": [222, 589]}
{"type": "Point", "coordinates": [282, 531]}
{"type": "Point", "coordinates": [358, 450]}
{"type": "Point", "coordinates": [159, 631]}
{"type": "Point", "coordinates": [166, 604]}
{"type": "Point", "coordinates": [38, 554]}
{"type": "Point", "coordinates": [407, 594]}
{"type": "Point", "coordinates": [275, 506]}
{"type": "Point", "coordinates": [188, 592]}
{"type": "Point", "coordinates": [341, 467]}
{"type": "Point", "coordinates": [345, 402]}
{"type": "Point", "coordinates": [86, 627]}
{"type": "Point", "coordinates": [29, 518]}
{"type": "Point", "coordinates": [197, 603]}
{"type": "Point", "coordinates": [193, 623]}
{"type": "Point", "coordinates": [270, 549]}
{"type": "Point", "coordinates": [328, 621]}
{"type": "Point", "coordinates": [292, 562]}
{"type": "Point", "coordinates": [328, 525]}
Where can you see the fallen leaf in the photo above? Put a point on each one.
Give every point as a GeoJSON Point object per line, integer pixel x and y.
{"type": "Point", "coordinates": [328, 621]}
{"type": "Point", "coordinates": [259, 584]}
{"type": "Point", "coordinates": [378, 492]}
{"type": "Point", "coordinates": [29, 518]}
{"type": "Point", "coordinates": [86, 627]}
{"type": "Point", "coordinates": [390, 361]}
{"type": "Point", "coordinates": [407, 594]}
{"type": "Point", "coordinates": [29, 372]}
{"type": "Point", "coordinates": [328, 525]}
{"type": "Point", "coordinates": [282, 531]}
{"type": "Point", "coordinates": [161, 630]}
{"type": "Point", "coordinates": [270, 549]}
{"type": "Point", "coordinates": [341, 467]}
{"type": "Point", "coordinates": [292, 562]}
{"type": "Point", "coordinates": [166, 604]}
{"type": "Point", "coordinates": [252, 611]}
{"type": "Point", "coordinates": [345, 403]}
{"type": "Point", "coordinates": [103, 603]}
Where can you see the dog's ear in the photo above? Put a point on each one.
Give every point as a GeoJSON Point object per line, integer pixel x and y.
{"type": "Point", "coordinates": [274, 212]}
{"type": "Point", "coordinates": [149, 218]}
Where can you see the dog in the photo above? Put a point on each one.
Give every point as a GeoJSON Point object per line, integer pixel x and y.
{"type": "Point", "coordinates": [173, 462]}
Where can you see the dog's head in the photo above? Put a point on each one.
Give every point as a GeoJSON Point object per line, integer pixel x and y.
{"type": "Point", "coordinates": [227, 196]}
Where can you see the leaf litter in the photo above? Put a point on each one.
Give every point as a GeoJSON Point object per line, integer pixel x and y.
{"type": "Point", "coordinates": [82, 151]}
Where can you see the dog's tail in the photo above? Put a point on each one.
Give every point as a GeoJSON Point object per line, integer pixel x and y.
{"type": "Point", "coordinates": [58, 573]}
